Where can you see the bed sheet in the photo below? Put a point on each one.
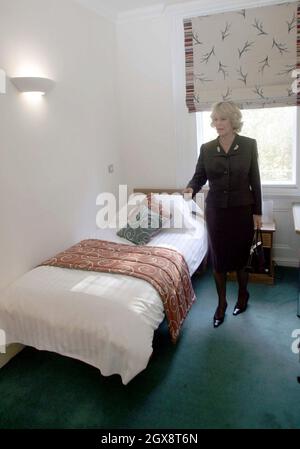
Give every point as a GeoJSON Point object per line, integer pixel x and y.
{"type": "Point", "coordinates": [104, 319]}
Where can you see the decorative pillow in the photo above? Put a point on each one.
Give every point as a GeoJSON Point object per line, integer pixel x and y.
{"type": "Point", "coordinates": [142, 225]}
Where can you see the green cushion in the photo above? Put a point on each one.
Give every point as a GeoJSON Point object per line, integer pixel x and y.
{"type": "Point", "coordinates": [142, 227]}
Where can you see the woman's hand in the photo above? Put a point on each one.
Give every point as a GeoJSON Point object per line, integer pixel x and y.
{"type": "Point", "coordinates": [187, 192]}
{"type": "Point", "coordinates": [257, 220]}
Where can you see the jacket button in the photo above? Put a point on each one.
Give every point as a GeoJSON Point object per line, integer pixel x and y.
{"type": "Point", "coordinates": [225, 191]}
{"type": "Point", "coordinates": [225, 172]}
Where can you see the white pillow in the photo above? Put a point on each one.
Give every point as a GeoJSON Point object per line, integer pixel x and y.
{"type": "Point", "coordinates": [183, 212]}
{"type": "Point", "coordinates": [139, 203]}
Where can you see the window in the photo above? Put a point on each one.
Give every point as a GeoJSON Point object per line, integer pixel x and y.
{"type": "Point", "coordinates": [275, 130]}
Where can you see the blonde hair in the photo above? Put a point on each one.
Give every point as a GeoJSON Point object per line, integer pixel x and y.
{"type": "Point", "coordinates": [228, 109]}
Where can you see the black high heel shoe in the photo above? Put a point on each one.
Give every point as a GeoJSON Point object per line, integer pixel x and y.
{"type": "Point", "coordinates": [238, 309]}
{"type": "Point", "coordinates": [218, 320]}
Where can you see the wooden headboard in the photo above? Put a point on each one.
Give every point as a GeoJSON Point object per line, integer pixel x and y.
{"type": "Point", "coordinates": [148, 190]}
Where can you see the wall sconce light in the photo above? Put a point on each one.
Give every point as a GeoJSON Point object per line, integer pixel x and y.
{"type": "Point", "coordinates": [33, 84]}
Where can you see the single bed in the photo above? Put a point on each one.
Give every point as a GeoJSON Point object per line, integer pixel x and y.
{"type": "Point", "coordinates": [104, 319]}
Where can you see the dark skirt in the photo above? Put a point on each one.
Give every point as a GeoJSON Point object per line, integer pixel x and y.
{"type": "Point", "coordinates": [230, 234]}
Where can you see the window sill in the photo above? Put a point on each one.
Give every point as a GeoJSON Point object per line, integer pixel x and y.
{"type": "Point", "coordinates": [280, 192]}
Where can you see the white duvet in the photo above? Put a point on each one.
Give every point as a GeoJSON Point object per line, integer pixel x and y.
{"type": "Point", "coordinates": [106, 320]}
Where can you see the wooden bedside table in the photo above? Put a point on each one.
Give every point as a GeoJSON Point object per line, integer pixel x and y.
{"type": "Point", "coordinates": [268, 277]}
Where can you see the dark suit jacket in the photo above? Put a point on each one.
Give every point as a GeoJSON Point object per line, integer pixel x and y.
{"type": "Point", "coordinates": [233, 177]}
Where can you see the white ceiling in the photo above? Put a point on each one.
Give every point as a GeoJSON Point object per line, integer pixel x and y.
{"type": "Point", "coordinates": [117, 7]}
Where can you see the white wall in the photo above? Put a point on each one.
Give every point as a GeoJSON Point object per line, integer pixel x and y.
{"type": "Point", "coordinates": [54, 155]}
{"type": "Point", "coordinates": [146, 103]}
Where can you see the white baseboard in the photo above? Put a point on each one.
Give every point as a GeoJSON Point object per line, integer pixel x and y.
{"type": "Point", "coordinates": [11, 351]}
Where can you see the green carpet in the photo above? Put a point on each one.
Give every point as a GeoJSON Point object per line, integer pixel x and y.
{"type": "Point", "coordinates": [240, 375]}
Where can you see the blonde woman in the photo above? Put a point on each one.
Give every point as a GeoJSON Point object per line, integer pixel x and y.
{"type": "Point", "coordinates": [233, 204]}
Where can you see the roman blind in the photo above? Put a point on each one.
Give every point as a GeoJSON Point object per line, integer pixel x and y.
{"type": "Point", "coordinates": [250, 56]}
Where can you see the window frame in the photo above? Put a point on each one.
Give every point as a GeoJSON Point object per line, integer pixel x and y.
{"type": "Point", "coordinates": [272, 189]}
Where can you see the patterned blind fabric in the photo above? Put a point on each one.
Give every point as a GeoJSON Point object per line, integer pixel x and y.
{"type": "Point", "coordinates": [248, 56]}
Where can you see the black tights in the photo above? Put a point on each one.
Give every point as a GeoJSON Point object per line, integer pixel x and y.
{"type": "Point", "coordinates": [220, 280]}
{"type": "Point", "coordinates": [242, 277]}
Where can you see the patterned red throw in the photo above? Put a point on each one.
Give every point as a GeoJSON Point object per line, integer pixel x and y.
{"type": "Point", "coordinates": [164, 268]}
